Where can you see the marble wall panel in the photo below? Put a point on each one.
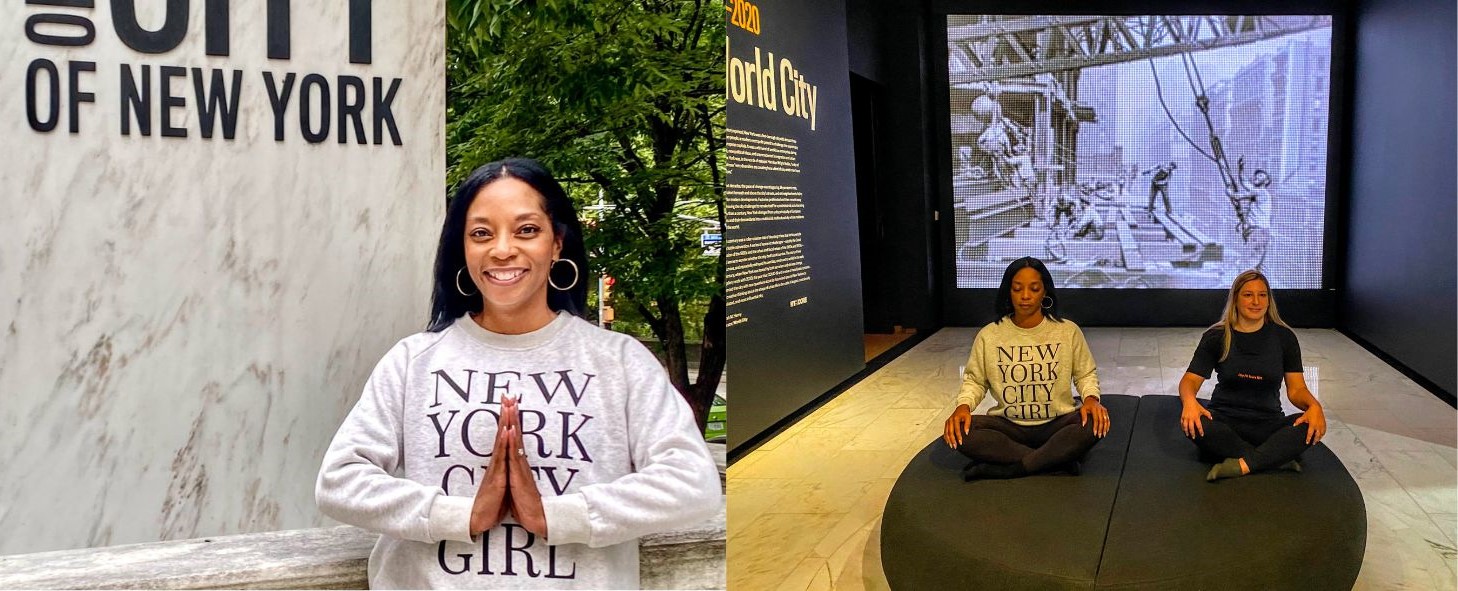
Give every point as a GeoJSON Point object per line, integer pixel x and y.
{"type": "Point", "coordinates": [184, 321]}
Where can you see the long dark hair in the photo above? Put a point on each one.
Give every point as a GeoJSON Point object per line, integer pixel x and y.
{"type": "Point", "coordinates": [446, 302]}
{"type": "Point", "coordinates": [1004, 290]}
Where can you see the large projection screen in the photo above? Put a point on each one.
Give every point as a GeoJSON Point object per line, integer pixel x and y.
{"type": "Point", "coordinates": [1166, 152]}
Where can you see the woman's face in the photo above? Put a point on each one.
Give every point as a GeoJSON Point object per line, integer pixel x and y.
{"type": "Point", "coordinates": [1252, 299]}
{"type": "Point", "coordinates": [510, 247]}
{"type": "Point", "coordinates": [1027, 292]}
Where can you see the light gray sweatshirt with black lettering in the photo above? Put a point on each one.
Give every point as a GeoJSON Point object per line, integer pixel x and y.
{"type": "Point", "coordinates": [1029, 371]}
{"type": "Point", "coordinates": [614, 448]}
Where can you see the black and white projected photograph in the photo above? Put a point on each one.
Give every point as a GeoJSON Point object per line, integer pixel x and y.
{"type": "Point", "coordinates": [1140, 151]}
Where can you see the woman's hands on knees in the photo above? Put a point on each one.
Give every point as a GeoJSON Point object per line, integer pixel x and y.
{"type": "Point", "coordinates": [1093, 410]}
{"type": "Point", "coordinates": [1315, 420]}
{"type": "Point", "coordinates": [1190, 419]}
{"type": "Point", "coordinates": [957, 426]}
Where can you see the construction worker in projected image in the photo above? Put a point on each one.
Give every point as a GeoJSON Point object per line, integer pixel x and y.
{"type": "Point", "coordinates": [1064, 204]}
{"type": "Point", "coordinates": [1021, 164]}
{"type": "Point", "coordinates": [1089, 223]}
{"type": "Point", "coordinates": [1122, 180]}
{"type": "Point", "coordinates": [995, 142]}
{"type": "Point", "coordinates": [1159, 184]}
{"type": "Point", "coordinates": [994, 139]}
{"type": "Point", "coordinates": [1126, 178]}
{"type": "Point", "coordinates": [1253, 212]}
{"type": "Point", "coordinates": [965, 166]}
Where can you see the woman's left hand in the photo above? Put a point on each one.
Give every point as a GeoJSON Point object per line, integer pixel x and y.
{"type": "Point", "coordinates": [1315, 420]}
{"type": "Point", "coordinates": [526, 500]}
{"type": "Point", "coordinates": [1093, 410]}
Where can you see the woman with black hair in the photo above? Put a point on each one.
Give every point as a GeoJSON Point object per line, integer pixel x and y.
{"type": "Point", "coordinates": [1252, 352]}
{"type": "Point", "coordinates": [513, 444]}
{"type": "Point", "coordinates": [1029, 359]}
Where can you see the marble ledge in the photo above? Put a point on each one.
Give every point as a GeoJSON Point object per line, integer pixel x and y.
{"type": "Point", "coordinates": [322, 558]}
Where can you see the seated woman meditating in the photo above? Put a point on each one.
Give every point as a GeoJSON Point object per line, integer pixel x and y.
{"type": "Point", "coordinates": [1252, 351]}
{"type": "Point", "coordinates": [1028, 358]}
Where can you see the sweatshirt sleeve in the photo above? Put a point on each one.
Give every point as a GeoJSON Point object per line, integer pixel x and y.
{"type": "Point", "coordinates": [974, 377]}
{"type": "Point", "coordinates": [675, 482]}
{"type": "Point", "coordinates": [357, 483]}
{"type": "Point", "coordinates": [1085, 371]}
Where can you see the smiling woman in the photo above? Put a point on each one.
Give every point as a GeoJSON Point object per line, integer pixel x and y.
{"type": "Point", "coordinates": [1252, 352]}
{"type": "Point", "coordinates": [508, 216]}
{"type": "Point", "coordinates": [1029, 360]}
{"type": "Point", "coordinates": [510, 251]}
{"type": "Point", "coordinates": [512, 444]}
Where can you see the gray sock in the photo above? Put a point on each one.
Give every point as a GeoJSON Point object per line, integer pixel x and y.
{"type": "Point", "coordinates": [1230, 468]}
{"type": "Point", "coordinates": [1292, 466]}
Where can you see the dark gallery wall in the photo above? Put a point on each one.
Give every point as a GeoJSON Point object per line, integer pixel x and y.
{"type": "Point", "coordinates": [794, 309]}
{"type": "Point", "coordinates": [1401, 254]}
{"type": "Point", "coordinates": [886, 53]}
{"type": "Point", "coordinates": [863, 171]}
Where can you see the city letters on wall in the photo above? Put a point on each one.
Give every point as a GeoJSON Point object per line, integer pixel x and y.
{"type": "Point", "coordinates": [153, 96]}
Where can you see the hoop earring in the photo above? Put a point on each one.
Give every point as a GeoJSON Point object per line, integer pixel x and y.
{"type": "Point", "coordinates": [1047, 302]}
{"type": "Point", "coordinates": [576, 274]}
{"type": "Point", "coordinates": [458, 284]}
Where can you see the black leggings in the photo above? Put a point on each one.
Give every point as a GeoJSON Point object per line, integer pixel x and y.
{"type": "Point", "coordinates": [1037, 447]}
{"type": "Point", "coordinates": [1264, 443]}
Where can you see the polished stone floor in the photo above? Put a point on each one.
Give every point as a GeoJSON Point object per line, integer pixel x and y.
{"type": "Point", "coordinates": [805, 507]}
{"type": "Point", "coordinates": [876, 344]}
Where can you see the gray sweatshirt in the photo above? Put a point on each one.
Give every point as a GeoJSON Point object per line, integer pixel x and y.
{"type": "Point", "coordinates": [1029, 371]}
{"type": "Point", "coordinates": [613, 446]}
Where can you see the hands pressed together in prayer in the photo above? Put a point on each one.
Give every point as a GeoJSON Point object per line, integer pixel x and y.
{"type": "Point", "coordinates": [508, 486]}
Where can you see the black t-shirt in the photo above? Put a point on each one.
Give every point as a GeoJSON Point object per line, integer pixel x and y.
{"type": "Point", "coordinates": [1250, 378]}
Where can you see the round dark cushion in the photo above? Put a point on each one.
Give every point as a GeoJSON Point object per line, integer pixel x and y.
{"type": "Point", "coordinates": [1038, 532]}
{"type": "Point", "coordinates": [1141, 516]}
{"type": "Point", "coordinates": [1170, 529]}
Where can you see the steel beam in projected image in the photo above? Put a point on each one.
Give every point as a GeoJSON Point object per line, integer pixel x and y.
{"type": "Point", "coordinates": [1023, 46]}
{"type": "Point", "coordinates": [1059, 124]}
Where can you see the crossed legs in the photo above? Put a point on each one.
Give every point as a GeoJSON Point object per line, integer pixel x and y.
{"type": "Point", "coordinates": [1263, 444]}
{"type": "Point", "coordinates": [1007, 449]}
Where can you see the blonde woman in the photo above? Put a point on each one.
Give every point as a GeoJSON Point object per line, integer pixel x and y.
{"type": "Point", "coordinates": [1253, 352]}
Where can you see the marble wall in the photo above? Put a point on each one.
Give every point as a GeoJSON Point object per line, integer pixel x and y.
{"type": "Point", "coordinates": [185, 320]}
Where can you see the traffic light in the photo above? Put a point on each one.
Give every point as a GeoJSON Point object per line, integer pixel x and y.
{"type": "Point", "coordinates": [604, 297]}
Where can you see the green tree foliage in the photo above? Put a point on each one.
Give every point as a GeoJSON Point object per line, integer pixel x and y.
{"type": "Point", "coordinates": [623, 102]}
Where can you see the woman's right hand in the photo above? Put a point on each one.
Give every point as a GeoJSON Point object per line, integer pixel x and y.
{"type": "Point", "coordinates": [526, 498]}
{"type": "Point", "coordinates": [957, 426]}
{"type": "Point", "coordinates": [1190, 419]}
{"type": "Point", "coordinates": [492, 497]}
